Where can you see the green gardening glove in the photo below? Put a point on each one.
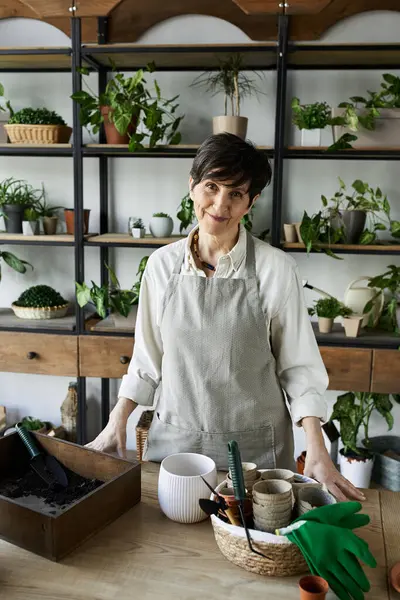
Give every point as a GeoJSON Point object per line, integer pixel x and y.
{"type": "Point", "coordinates": [341, 514]}
{"type": "Point", "coordinates": [332, 552]}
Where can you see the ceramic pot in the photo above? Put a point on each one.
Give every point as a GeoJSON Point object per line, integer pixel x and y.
{"type": "Point", "coordinates": [138, 232]}
{"type": "Point", "coordinates": [311, 137]}
{"type": "Point", "coordinates": [325, 325]}
{"type": "Point", "coordinates": [112, 134]}
{"type": "Point", "coordinates": [353, 223]}
{"type": "Point", "coordinates": [356, 469]}
{"type": "Point", "coordinates": [50, 225]}
{"type": "Point", "coordinates": [30, 227]}
{"type": "Point", "coordinates": [290, 233]}
{"type": "Point", "coordinates": [352, 325]}
{"type": "Point", "coordinates": [235, 125]}
{"type": "Point", "coordinates": [14, 214]}
{"type": "Point", "coordinates": [70, 223]}
{"type": "Point", "coordinates": [300, 462]}
{"type": "Point", "coordinates": [161, 227]}
{"type": "Point", "coordinates": [180, 486]}
{"type": "Point", "coordinates": [313, 587]}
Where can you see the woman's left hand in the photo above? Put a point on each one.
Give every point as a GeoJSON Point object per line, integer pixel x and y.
{"type": "Point", "coordinates": [319, 466]}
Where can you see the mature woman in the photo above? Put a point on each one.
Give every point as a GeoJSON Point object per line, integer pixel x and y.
{"type": "Point", "coordinates": [223, 345]}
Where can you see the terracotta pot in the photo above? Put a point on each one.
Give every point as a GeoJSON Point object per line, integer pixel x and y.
{"type": "Point", "coordinates": [313, 587]}
{"type": "Point", "coordinates": [394, 576]}
{"type": "Point", "coordinates": [112, 134]}
{"type": "Point", "coordinates": [300, 462]}
{"type": "Point", "coordinates": [50, 225]}
{"type": "Point", "coordinates": [69, 214]}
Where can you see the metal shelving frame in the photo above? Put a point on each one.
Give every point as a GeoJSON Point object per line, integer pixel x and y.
{"type": "Point", "coordinates": [281, 56]}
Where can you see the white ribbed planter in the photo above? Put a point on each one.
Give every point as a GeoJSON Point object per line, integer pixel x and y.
{"type": "Point", "coordinates": [357, 470]}
{"type": "Point", "coordinates": [180, 486]}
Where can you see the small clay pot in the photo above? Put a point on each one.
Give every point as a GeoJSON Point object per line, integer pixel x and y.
{"type": "Point", "coordinates": [394, 576]}
{"type": "Point", "coordinates": [313, 587]}
{"type": "Point", "coordinates": [70, 223]}
{"type": "Point", "coordinates": [112, 134]}
{"type": "Point", "coordinates": [50, 225]}
{"type": "Point", "coordinates": [300, 462]}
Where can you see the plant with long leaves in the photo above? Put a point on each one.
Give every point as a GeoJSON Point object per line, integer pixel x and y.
{"type": "Point", "coordinates": [353, 411]}
{"type": "Point", "coordinates": [14, 262]}
{"type": "Point", "coordinates": [231, 80]}
{"type": "Point", "coordinates": [388, 282]}
{"type": "Point", "coordinates": [130, 105]}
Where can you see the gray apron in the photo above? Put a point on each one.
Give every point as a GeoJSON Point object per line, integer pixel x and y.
{"type": "Point", "coordinates": [218, 380]}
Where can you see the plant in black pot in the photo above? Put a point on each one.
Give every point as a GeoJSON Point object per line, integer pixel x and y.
{"type": "Point", "coordinates": [16, 196]}
{"type": "Point", "coordinates": [129, 111]}
{"type": "Point", "coordinates": [353, 411]}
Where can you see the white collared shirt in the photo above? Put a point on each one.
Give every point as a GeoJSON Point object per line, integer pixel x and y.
{"type": "Point", "coordinates": [299, 366]}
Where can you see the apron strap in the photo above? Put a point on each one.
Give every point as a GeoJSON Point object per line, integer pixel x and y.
{"type": "Point", "coordinates": [250, 258]}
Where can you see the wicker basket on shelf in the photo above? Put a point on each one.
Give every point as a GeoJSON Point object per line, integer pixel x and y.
{"type": "Point", "coordinates": [38, 134]}
{"type": "Point", "coordinates": [142, 429]}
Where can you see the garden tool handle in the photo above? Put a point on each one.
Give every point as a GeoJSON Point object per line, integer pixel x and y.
{"type": "Point", "coordinates": [28, 440]}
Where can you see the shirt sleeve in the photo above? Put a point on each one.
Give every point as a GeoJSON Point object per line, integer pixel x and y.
{"type": "Point", "coordinates": [144, 371]}
{"type": "Point", "coordinates": [299, 364]}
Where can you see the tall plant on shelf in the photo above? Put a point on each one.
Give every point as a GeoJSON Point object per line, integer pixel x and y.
{"type": "Point", "coordinates": [389, 283]}
{"type": "Point", "coordinates": [130, 112]}
{"type": "Point", "coordinates": [234, 84]}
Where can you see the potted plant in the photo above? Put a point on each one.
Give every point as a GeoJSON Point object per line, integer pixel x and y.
{"type": "Point", "coordinates": [47, 213]}
{"type": "Point", "coordinates": [161, 225]}
{"type": "Point", "coordinates": [327, 310]}
{"type": "Point", "coordinates": [40, 302]}
{"type": "Point", "coordinates": [375, 119]}
{"type": "Point", "coordinates": [353, 411]}
{"type": "Point", "coordinates": [389, 283]}
{"type": "Point", "coordinates": [138, 229]}
{"type": "Point", "coordinates": [112, 298]}
{"type": "Point", "coordinates": [30, 223]}
{"type": "Point", "coordinates": [235, 84]}
{"type": "Point", "coordinates": [311, 119]}
{"type": "Point", "coordinates": [69, 215]}
{"type": "Point", "coordinates": [127, 103]}
{"type": "Point", "coordinates": [37, 126]}
{"type": "Point", "coordinates": [15, 197]}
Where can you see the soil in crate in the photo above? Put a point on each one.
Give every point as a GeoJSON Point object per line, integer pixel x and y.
{"type": "Point", "coordinates": [29, 489]}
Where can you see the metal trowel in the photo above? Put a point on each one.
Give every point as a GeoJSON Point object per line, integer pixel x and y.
{"type": "Point", "coordinates": [45, 465]}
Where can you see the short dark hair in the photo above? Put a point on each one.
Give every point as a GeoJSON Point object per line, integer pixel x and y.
{"type": "Point", "coordinates": [226, 157]}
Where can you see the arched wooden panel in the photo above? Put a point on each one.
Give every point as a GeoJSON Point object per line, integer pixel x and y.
{"type": "Point", "coordinates": [13, 8]}
{"type": "Point", "coordinates": [295, 7]}
{"type": "Point", "coordinates": [47, 9]}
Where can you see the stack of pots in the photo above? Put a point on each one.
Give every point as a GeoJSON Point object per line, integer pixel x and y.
{"type": "Point", "coordinates": [272, 504]}
{"type": "Point", "coordinates": [250, 475]}
{"type": "Point", "coordinates": [310, 497]}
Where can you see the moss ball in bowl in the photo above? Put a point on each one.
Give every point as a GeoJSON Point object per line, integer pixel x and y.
{"type": "Point", "coordinates": [40, 302]}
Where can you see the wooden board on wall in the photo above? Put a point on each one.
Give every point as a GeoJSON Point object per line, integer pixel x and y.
{"type": "Point", "coordinates": [386, 371]}
{"type": "Point", "coordinates": [349, 369]}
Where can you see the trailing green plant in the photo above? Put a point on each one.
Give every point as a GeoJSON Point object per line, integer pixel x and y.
{"type": "Point", "coordinates": [316, 115]}
{"type": "Point", "coordinates": [111, 296]}
{"type": "Point", "coordinates": [329, 308]}
{"type": "Point", "coordinates": [186, 213]}
{"type": "Point", "coordinates": [316, 230]}
{"type": "Point", "coordinates": [36, 116]}
{"type": "Point", "coordinates": [130, 102]}
{"type": "Point", "coordinates": [161, 214]}
{"type": "Point", "coordinates": [388, 282]}
{"type": "Point", "coordinates": [40, 296]}
{"type": "Point", "coordinates": [14, 262]}
{"type": "Point", "coordinates": [353, 411]}
{"type": "Point", "coordinates": [230, 80]}
{"type": "Point", "coordinates": [7, 102]}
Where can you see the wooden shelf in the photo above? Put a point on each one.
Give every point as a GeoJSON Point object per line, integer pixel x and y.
{"type": "Point", "coordinates": [124, 239]}
{"type": "Point", "coordinates": [36, 149]}
{"type": "Point", "coordinates": [331, 56]}
{"type": "Point", "coordinates": [35, 59]}
{"type": "Point", "coordinates": [177, 151]}
{"type": "Point", "coordinates": [367, 338]}
{"type": "Point", "coordinates": [384, 248]}
{"type": "Point", "coordinates": [322, 152]}
{"type": "Point", "coordinates": [62, 239]}
{"type": "Point", "coordinates": [178, 57]}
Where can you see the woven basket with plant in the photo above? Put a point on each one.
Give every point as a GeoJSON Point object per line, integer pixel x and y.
{"type": "Point", "coordinates": [40, 302]}
{"type": "Point", "coordinates": [37, 126]}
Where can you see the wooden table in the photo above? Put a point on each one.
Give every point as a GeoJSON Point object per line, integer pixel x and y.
{"type": "Point", "coordinates": [143, 555]}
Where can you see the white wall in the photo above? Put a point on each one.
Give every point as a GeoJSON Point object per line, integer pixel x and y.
{"type": "Point", "coordinates": [142, 186]}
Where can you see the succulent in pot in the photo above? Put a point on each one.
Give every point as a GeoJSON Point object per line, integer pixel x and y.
{"type": "Point", "coordinates": [161, 225]}
{"type": "Point", "coordinates": [16, 195]}
{"type": "Point", "coordinates": [37, 126]}
{"type": "Point", "coordinates": [138, 229]}
{"type": "Point", "coordinates": [40, 302]}
{"type": "Point", "coordinates": [30, 223]}
{"type": "Point", "coordinates": [327, 310]}
{"type": "Point", "coordinates": [48, 214]}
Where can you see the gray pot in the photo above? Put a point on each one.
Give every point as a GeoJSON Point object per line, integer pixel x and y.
{"type": "Point", "coordinates": [386, 471]}
{"type": "Point", "coordinates": [14, 216]}
{"type": "Point", "coordinates": [354, 223]}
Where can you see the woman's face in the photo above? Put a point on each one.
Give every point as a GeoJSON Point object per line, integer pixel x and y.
{"type": "Point", "coordinates": [219, 208]}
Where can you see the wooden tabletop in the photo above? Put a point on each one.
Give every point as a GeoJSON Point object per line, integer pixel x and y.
{"type": "Point", "coordinates": [144, 555]}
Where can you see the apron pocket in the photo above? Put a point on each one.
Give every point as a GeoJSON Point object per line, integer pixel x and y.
{"type": "Point", "coordinates": [164, 439]}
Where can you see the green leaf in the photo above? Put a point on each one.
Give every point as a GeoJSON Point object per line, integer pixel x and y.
{"type": "Point", "coordinates": [360, 186]}
{"type": "Point", "coordinates": [82, 294]}
{"type": "Point", "coordinates": [14, 262]}
{"type": "Point", "coordinates": [324, 201]}
{"type": "Point", "coordinates": [1, 90]}
{"type": "Point", "coordinates": [367, 238]}
{"type": "Point", "coordinates": [113, 277]}
{"type": "Point", "coordinates": [383, 405]}
{"type": "Point", "coordinates": [344, 406]}
{"type": "Point", "coordinates": [83, 70]}
{"type": "Point", "coordinates": [396, 398]}
{"type": "Point", "coordinates": [157, 88]}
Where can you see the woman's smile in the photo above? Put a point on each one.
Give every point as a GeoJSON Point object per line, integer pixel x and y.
{"type": "Point", "coordinates": [217, 219]}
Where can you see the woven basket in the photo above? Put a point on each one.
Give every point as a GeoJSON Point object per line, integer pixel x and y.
{"type": "Point", "coordinates": [38, 134]}
{"type": "Point", "coordinates": [142, 429]}
{"type": "Point", "coordinates": [48, 312]}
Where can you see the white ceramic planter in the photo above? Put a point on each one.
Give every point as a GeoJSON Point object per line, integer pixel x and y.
{"type": "Point", "coordinates": [30, 227]}
{"type": "Point", "coordinates": [385, 135]}
{"type": "Point", "coordinates": [161, 226]}
{"type": "Point", "coordinates": [325, 325]}
{"type": "Point", "coordinates": [180, 486]}
{"type": "Point", "coordinates": [137, 232]}
{"type": "Point", "coordinates": [357, 471]}
{"type": "Point", "coordinates": [311, 137]}
{"type": "Point", "coordinates": [235, 125]}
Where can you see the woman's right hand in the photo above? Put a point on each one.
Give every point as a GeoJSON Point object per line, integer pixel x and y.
{"type": "Point", "coordinates": [113, 436]}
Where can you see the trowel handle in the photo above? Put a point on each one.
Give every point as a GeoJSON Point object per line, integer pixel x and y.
{"type": "Point", "coordinates": [27, 438]}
